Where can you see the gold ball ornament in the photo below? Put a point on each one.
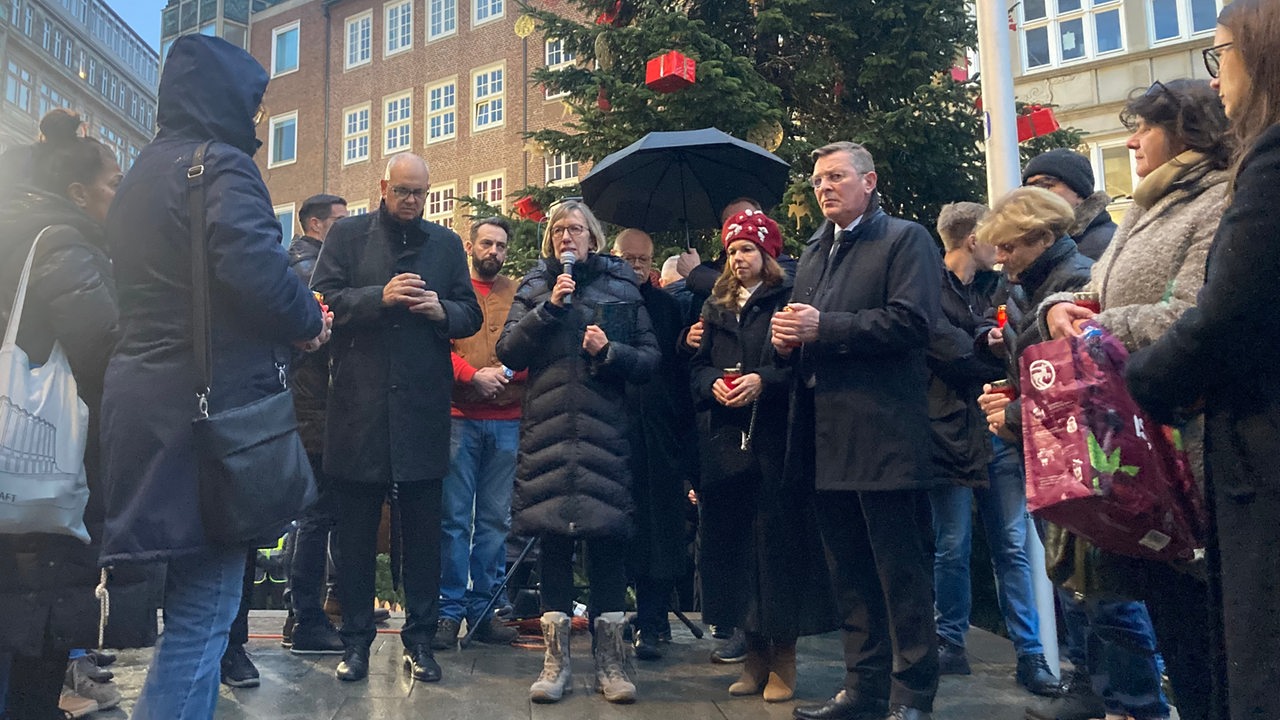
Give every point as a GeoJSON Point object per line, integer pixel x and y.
{"type": "Point", "coordinates": [525, 26]}
{"type": "Point", "coordinates": [766, 135]}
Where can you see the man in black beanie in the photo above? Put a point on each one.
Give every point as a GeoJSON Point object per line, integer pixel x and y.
{"type": "Point", "coordinates": [1070, 175]}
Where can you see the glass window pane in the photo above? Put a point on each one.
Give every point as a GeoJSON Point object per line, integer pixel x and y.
{"type": "Point", "coordinates": [287, 51]}
{"type": "Point", "coordinates": [1071, 39]}
{"type": "Point", "coordinates": [237, 10]}
{"type": "Point", "coordinates": [1033, 10]}
{"type": "Point", "coordinates": [188, 15]}
{"type": "Point", "coordinates": [1204, 15]}
{"type": "Point", "coordinates": [1116, 171]}
{"type": "Point", "coordinates": [1066, 6]}
{"type": "Point", "coordinates": [169, 21]}
{"type": "Point", "coordinates": [1107, 25]}
{"type": "Point", "coordinates": [1037, 42]}
{"type": "Point", "coordinates": [208, 9]}
{"type": "Point", "coordinates": [1164, 15]}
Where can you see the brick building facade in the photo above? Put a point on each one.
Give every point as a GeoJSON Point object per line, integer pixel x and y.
{"type": "Point", "coordinates": [357, 81]}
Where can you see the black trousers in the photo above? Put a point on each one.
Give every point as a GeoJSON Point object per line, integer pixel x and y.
{"type": "Point", "coordinates": [361, 512]}
{"type": "Point", "coordinates": [239, 634]}
{"type": "Point", "coordinates": [881, 565]}
{"type": "Point", "coordinates": [35, 683]}
{"type": "Point", "coordinates": [606, 574]}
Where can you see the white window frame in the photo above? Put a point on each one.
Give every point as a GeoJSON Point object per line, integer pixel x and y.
{"type": "Point", "coordinates": [1100, 167]}
{"type": "Point", "coordinates": [559, 164]}
{"type": "Point", "coordinates": [364, 54]}
{"type": "Point", "coordinates": [492, 101]}
{"type": "Point", "coordinates": [489, 6]}
{"type": "Point", "coordinates": [295, 26]}
{"type": "Point", "coordinates": [444, 195]}
{"type": "Point", "coordinates": [443, 111]}
{"type": "Point", "coordinates": [403, 35]}
{"type": "Point", "coordinates": [447, 13]}
{"type": "Point", "coordinates": [562, 59]}
{"type": "Point", "coordinates": [360, 208]}
{"type": "Point", "coordinates": [349, 135]}
{"type": "Point", "coordinates": [1185, 31]}
{"type": "Point", "coordinates": [486, 194]}
{"type": "Point", "coordinates": [403, 121]}
{"type": "Point", "coordinates": [275, 121]}
{"type": "Point", "coordinates": [1052, 22]}
{"type": "Point", "coordinates": [291, 209]}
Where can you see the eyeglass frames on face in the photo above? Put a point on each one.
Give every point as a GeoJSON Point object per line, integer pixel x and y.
{"type": "Point", "coordinates": [1213, 58]}
{"type": "Point", "coordinates": [573, 230]}
{"type": "Point", "coordinates": [405, 193]}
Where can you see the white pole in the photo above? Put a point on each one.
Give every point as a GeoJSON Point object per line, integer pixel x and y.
{"type": "Point", "coordinates": [1003, 175]}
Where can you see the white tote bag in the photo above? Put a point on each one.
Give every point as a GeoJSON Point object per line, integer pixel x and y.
{"type": "Point", "coordinates": [43, 428]}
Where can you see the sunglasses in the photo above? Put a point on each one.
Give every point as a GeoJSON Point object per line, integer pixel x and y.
{"type": "Point", "coordinates": [1213, 58]}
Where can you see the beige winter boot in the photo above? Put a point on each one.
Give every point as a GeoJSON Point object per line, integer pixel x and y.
{"type": "Point", "coordinates": [556, 678]}
{"type": "Point", "coordinates": [755, 669]}
{"type": "Point", "coordinates": [782, 672]}
{"type": "Point", "coordinates": [611, 657]}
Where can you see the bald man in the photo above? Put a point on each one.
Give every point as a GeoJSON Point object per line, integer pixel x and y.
{"type": "Point", "coordinates": [388, 414]}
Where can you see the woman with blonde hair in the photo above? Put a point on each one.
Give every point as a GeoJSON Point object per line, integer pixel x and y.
{"type": "Point", "coordinates": [761, 562]}
{"type": "Point", "coordinates": [1220, 358]}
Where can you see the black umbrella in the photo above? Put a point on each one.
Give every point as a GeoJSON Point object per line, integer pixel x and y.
{"type": "Point", "coordinates": [673, 180]}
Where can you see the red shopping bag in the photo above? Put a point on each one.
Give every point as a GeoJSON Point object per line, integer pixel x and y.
{"type": "Point", "coordinates": [1096, 464]}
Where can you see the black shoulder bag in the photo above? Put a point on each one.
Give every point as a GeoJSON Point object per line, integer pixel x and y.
{"type": "Point", "coordinates": [254, 474]}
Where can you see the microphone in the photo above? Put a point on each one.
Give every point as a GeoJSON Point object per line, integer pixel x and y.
{"type": "Point", "coordinates": [567, 259]}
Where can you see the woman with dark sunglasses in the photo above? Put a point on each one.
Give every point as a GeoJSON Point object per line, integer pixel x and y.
{"type": "Point", "coordinates": [1148, 276]}
{"type": "Point", "coordinates": [1220, 359]}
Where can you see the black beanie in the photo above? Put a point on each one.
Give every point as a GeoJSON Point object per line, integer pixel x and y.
{"type": "Point", "coordinates": [1069, 166]}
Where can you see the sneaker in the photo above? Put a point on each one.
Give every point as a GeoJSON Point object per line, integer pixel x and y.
{"type": "Point", "coordinates": [80, 682]}
{"type": "Point", "coordinates": [731, 651]}
{"type": "Point", "coordinates": [446, 634]}
{"type": "Point", "coordinates": [952, 659]}
{"type": "Point", "coordinates": [85, 666]}
{"type": "Point", "coordinates": [316, 640]}
{"type": "Point", "coordinates": [76, 706]}
{"type": "Point", "coordinates": [238, 671]}
{"type": "Point", "coordinates": [493, 632]}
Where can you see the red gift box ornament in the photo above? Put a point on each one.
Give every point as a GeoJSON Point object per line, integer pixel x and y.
{"type": "Point", "coordinates": [1038, 121]}
{"type": "Point", "coordinates": [670, 72]}
{"type": "Point", "coordinates": [529, 209]}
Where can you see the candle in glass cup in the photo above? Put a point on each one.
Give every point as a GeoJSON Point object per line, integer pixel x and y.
{"type": "Point", "coordinates": [1002, 316]}
{"type": "Point", "coordinates": [1005, 388]}
{"type": "Point", "coordinates": [1089, 300]}
{"type": "Point", "coordinates": [731, 376]}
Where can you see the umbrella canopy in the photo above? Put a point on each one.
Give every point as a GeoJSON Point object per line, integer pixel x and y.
{"type": "Point", "coordinates": [673, 180]}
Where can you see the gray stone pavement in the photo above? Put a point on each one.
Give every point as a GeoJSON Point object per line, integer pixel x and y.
{"type": "Point", "coordinates": [492, 682]}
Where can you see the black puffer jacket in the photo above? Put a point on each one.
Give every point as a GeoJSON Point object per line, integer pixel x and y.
{"type": "Point", "coordinates": [309, 372]}
{"type": "Point", "coordinates": [71, 299]}
{"type": "Point", "coordinates": [572, 476]}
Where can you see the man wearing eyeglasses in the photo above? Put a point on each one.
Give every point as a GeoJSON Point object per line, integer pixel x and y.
{"type": "Point", "coordinates": [400, 290]}
{"type": "Point", "coordinates": [1069, 175]}
{"type": "Point", "coordinates": [856, 333]}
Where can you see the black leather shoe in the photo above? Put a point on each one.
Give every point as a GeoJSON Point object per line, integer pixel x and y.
{"type": "Point", "coordinates": [1034, 675]}
{"type": "Point", "coordinates": [354, 665]}
{"type": "Point", "coordinates": [902, 712]}
{"type": "Point", "coordinates": [647, 646]}
{"type": "Point", "coordinates": [422, 664]}
{"type": "Point", "coordinates": [953, 660]}
{"type": "Point", "coordinates": [842, 707]}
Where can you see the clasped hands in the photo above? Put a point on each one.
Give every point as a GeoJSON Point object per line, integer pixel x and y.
{"type": "Point", "coordinates": [410, 290]}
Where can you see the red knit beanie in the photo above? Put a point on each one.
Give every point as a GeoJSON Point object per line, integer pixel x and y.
{"type": "Point", "coordinates": [755, 226]}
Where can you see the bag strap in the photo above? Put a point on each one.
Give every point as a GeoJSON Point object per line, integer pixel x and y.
{"type": "Point", "coordinates": [199, 278]}
{"type": "Point", "coordinates": [20, 297]}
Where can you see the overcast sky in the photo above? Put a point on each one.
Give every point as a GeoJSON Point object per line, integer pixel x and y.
{"type": "Point", "coordinates": [143, 16]}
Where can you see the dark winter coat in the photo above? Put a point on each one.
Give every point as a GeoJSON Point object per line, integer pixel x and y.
{"type": "Point", "coordinates": [388, 414]}
{"type": "Point", "coordinates": [210, 90]}
{"type": "Point", "coordinates": [572, 474]}
{"type": "Point", "coordinates": [71, 299]}
{"type": "Point", "coordinates": [309, 373]}
{"type": "Point", "coordinates": [1060, 268]}
{"type": "Point", "coordinates": [1093, 228]}
{"type": "Point", "coordinates": [878, 296]}
{"type": "Point", "coordinates": [760, 563]}
{"type": "Point", "coordinates": [1222, 356]}
{"type": "Point", "coordinates": [961, 443]}
{"type": "Point", "coordinates": [664, 456]}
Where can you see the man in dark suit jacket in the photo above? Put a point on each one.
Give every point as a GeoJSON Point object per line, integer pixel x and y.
{"type": "Point", "coordinates": [857, 331]}
{"type": "Point", "coordinates": [399, 289]}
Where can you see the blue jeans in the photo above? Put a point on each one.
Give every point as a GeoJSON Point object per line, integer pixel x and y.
{"type": "Point", "coordinates": [1003, 507]}
{"type": "Point", "coordinates": [1114, 639]}
{"type": "Point", "coordinates": [476, 514]}
{"type": "Point", "coordinates": [201, 598]}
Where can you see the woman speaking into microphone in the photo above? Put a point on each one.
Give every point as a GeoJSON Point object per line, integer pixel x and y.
{"type": "Point", "coordinates": [572, 481]}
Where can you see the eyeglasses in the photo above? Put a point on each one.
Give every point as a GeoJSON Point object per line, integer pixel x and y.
{"type": "Point", "coordinates": [835, 177]}
{"type": "Point", "coordinates": [638, 259]}
{"type": "Point", "coordinates": [1213, 58]}
{"type": "Point", "coordinates": [573, 230]}
{"type": "Point", "coordinates": [404, 193]}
